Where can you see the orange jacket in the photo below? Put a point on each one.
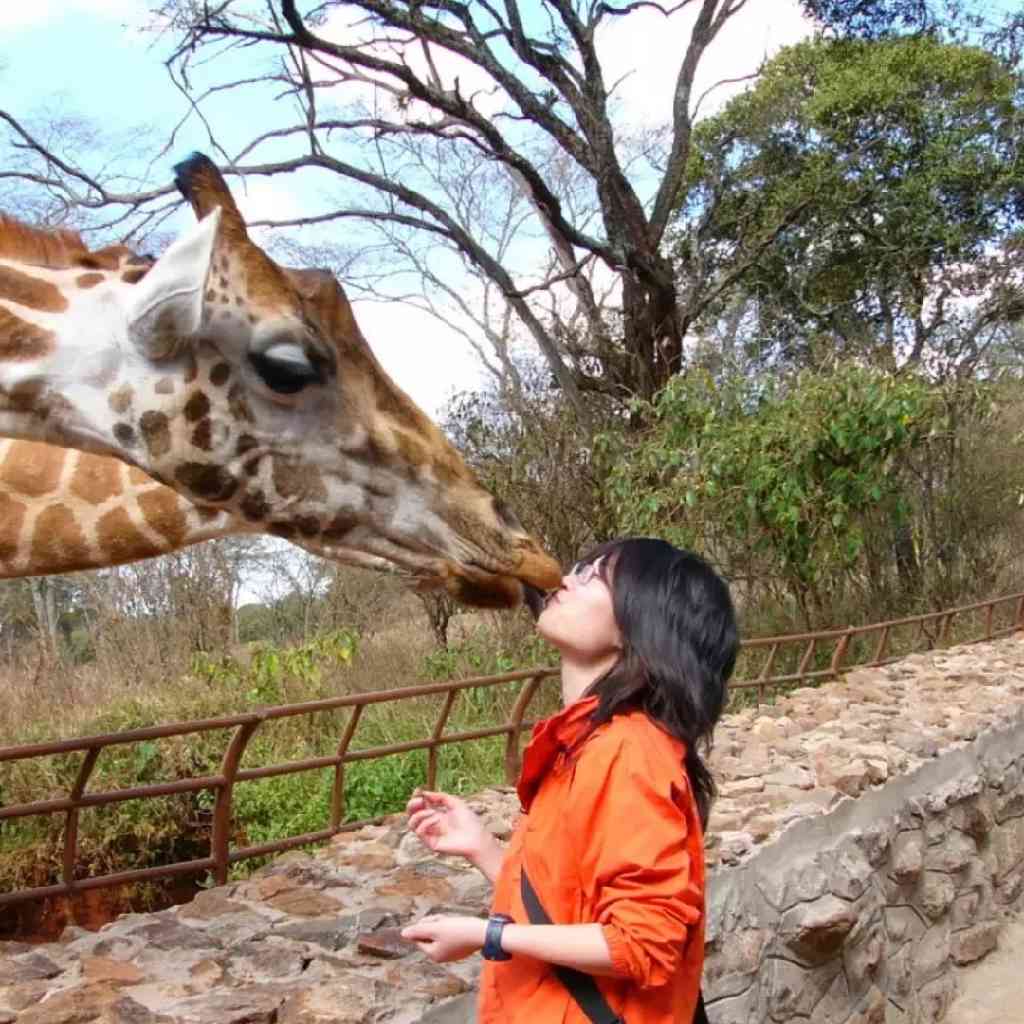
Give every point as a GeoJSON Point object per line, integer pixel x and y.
{"type": "Point", "coordinates": [610, 835]}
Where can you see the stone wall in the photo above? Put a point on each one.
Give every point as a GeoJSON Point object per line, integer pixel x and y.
{"type": "Point", "coordinates": [868, 842]}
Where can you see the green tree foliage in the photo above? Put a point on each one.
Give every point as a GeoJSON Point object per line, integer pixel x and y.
{"type": "Point", "coordinates": [775, 481]}
{"type": "Point", "coordinates": [840, 495]}
{"type": "Point", "coordinates": [877, 191]}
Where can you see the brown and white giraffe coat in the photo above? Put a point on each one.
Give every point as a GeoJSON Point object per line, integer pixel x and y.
{"type": "Point", "coordinates": [245, 387]}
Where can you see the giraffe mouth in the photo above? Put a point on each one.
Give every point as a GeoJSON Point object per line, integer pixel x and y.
{"type": "Point", "coordinates": [534, 599]}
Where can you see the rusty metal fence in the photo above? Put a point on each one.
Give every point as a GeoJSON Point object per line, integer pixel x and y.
{"type": "Point", "coordinates": [767, 663]}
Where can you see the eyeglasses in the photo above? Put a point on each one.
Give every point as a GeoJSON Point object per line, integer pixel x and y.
{"type": "Point", "coordinates": [584, 572]}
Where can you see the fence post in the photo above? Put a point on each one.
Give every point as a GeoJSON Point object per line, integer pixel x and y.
{"type": "Point", "coordinates": [338, 792]}
{"type": "Point", "coordinates": [442, 721]}
{"type": "Point", "coordinates": [71, 822]}
{"type": "Point", "coordinates": [220, 841]}
{"type": "Point", "coordinates": [840, 652]}
{"type": "Point", "coordinates": [515, 725]}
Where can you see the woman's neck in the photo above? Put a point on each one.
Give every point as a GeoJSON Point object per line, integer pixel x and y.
{"type": "Point", "coordinates": [578, 676]}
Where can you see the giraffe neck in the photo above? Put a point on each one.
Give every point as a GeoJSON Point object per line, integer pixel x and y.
{"type": "Point", "coordinates": [63, 510]}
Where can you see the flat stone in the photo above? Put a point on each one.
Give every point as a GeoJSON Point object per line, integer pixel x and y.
{"type": "Point", "coordinates": [304, 902]}
{"type": "Point", "coordinates": [119, 972]}
{"type": "Point", "coordinates": [209, 904]}
{"type": "Point", "coordinates": [386, 943]}
{"type": "Point", "coordinates": [253, 1004]}
{"type": "Point", "coordinates": [349, 1000]}
{"type": "Point", "coordinates": [816, 931]}
{"type": "Point", "coordinates": [972, 944]}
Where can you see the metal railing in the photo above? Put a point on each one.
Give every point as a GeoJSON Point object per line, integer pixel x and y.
{"type": "Point", "coordinates": [801, 657]}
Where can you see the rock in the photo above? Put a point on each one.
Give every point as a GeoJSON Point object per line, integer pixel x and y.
{"type": "Point", "coordinates": [386, 943]}
{"type": "Point", "coordinates": [118, 972]}
{"type": "Point", "coordinates": [815, 931]}
{"type": "Point", "coordinates": [343, 1001]}
{"type": "Point", "coordinates": [304, 902]}
{"type": "Point", "coordinates": [972, 944]}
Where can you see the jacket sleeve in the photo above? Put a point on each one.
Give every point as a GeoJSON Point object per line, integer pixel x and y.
{"type": "Point", "coordinates": [631, 813]}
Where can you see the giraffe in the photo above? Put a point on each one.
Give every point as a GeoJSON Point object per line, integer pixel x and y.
{"type": "Point", "coordinates": [248, 389]}
{"type": "Point", "coordinates": [63, 510]}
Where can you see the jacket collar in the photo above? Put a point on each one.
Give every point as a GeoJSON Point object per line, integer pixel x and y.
{"type": "Point", "coordinates": [551, 738]}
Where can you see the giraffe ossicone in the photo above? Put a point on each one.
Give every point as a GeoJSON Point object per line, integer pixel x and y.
{"type": "Point", "coordinates": [248, 389]}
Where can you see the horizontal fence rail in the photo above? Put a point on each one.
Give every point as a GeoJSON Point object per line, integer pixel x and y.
{"type": "Point", "coordinates": [766, 663]}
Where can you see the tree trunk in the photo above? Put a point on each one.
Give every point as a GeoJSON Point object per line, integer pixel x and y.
{"type": "Point", "coordinates": [652, 333]}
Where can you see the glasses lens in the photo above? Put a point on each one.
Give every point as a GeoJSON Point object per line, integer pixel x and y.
{"type": "Point", "coordinates": [584, 572]}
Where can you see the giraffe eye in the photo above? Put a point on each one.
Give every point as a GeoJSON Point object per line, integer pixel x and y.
{"type": "Point", "coordinates": [285, 368]}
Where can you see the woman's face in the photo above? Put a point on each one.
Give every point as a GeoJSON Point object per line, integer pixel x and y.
{"type": "Point", "coordinates": [579, 619]}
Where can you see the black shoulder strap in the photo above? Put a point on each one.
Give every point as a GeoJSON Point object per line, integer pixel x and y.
{"type": "Point", "coordinates": [581, 986]}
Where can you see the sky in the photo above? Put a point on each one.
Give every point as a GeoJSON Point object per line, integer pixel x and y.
{"type": "Point", "coordinates": [89, 58]}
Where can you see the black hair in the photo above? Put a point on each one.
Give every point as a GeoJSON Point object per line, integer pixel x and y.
{"type": "Point", "coordinates": [679, 645]}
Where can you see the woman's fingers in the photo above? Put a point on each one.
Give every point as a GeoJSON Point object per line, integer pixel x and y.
{"type": "Point", "coordinates": [424, 819]}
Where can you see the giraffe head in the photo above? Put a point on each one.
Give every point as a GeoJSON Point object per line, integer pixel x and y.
{"type": "Point", "coordinates": [248, 388]}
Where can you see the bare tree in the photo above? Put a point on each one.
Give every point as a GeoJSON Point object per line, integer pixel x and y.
{"type": "Point", "coordinates": [519, 87]}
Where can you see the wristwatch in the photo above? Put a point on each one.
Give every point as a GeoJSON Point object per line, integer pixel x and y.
{"type": "Point", "coordinates": [492, 938]}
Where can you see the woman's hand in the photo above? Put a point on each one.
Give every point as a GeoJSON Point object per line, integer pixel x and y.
{"type": "Point", "coordinates": [446, 824]}
{"type": "Point", "coordinates": [447, 938]}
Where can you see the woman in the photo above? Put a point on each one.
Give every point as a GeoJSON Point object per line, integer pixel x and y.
{"type": "Point", "coordinates": [615, 795]}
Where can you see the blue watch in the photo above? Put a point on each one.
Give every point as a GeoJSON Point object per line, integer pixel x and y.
{"type": "Point", "coordinates": [492, 938]}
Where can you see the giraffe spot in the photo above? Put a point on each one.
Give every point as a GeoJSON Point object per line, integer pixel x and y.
{"type": "Point", "coordinates": [21, 340]}
{"type": "Point", "coordinates": [222, 281]}
{"type": "Point", "coordinates": [207, 513]}
{"type": "Point", "coordinates": [191, 368]}
{"type": "Point", "coordinates": [120, 401]}
{"type": "Point", "coordinates": [238, 405]}
{"type": "Point", "coordinates": [289, 478]}
{"type": "Point", "coordinates": [309, 526]}
{"type": "Point", "coordinates": [255, 507]}
{"type": "Point", "coordinates": [197, 407]}
{"type": "Point", "coordinates": [28, 396]}
{"type": "Point", "coordinates": [26, 290]}
{"type": "Point", "coordinates": [339, 527]}
{"type": "Point", "coordinates": [245, 444]}
{"type": "Point", "coordinates": [202, 435]}
{"type": "Point", "coordinates": [156, 432]}
{"type": "Point", "coordinates": [89, 280]}
{"type": "Point", "coordinates": [134, 276]}
{"type": "Point", "coordinates": [31, 470]}
{"type": "Point", "coordinates": [108, 258]}
{"type": "Point", "coordinates": [12, 515]}
{"type": "Point", "coordinates": [163, 513]}
{"type": "Point", "coordinates": [124, 434]}
{"type": "Point", "coordinates": [219, 375]}
{"type": "Point", "coordinates": [253, 319]}
{"type": "Point", "coordinates": [214, 483]}
{"type": "Point", "coordinates": [164, 386]}
{"type": "Point", "coordinates": [210, 295]}
{"type": "Point", "coordinates": [120, 538]}
{"type": "Point", "coordinates": [380, 487]}
{"type": "Point", "coordinates": [96, 480]}
{"type": "Point", "coordinates": [58, 539]}
{"type": "Point", "coordinates": [284, 530]}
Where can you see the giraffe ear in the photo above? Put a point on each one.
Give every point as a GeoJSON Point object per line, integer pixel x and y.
{"type": "Point", "coordinates": [167, 304]}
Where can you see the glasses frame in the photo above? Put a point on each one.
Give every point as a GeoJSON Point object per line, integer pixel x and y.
{"type": "Point", "coordinates": [583, 572]}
